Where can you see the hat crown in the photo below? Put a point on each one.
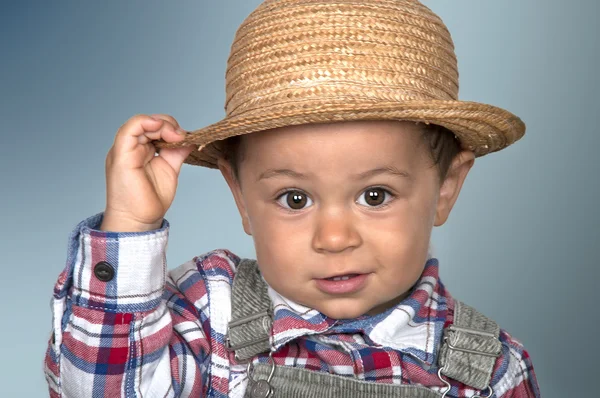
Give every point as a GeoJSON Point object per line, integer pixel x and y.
{"type": "Point", "coordinates": [287, 53]}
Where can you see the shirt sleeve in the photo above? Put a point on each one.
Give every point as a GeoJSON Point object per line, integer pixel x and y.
{"type": "Point", "coordinates": [118, 321]}
{"type": "Point", "coordinates": [514, 376]}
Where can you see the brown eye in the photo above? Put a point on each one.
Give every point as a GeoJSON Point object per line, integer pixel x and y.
{"type": "Point", "coordinates": [375, 196]}
{"type": "Point", "coordinates": [295, 200]}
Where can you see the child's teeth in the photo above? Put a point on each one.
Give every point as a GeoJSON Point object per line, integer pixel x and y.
{"type": "Point", "coordinates": [341, 278]}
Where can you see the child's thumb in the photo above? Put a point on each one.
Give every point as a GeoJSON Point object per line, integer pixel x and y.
{"type": "Point", "coordinates": [175, 156]}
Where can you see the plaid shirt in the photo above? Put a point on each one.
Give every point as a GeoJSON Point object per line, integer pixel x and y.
{"type": "Point", "coordinates": [150, 332]}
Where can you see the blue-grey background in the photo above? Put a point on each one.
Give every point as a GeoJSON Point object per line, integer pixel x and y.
{"type": "Point", "coordinates": [519, 244]}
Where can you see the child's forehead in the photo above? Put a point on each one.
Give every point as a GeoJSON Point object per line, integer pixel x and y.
{"type": "Point", "coordinates": [356, 144]}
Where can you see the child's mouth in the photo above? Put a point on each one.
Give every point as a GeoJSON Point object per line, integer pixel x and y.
{"type": "Point", "coordinates": [342, 284]}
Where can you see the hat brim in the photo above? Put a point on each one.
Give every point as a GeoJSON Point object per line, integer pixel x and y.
{"type": "Point", "coordinates": [480, 128]}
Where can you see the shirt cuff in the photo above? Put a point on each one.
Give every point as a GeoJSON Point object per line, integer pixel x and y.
{"type": "Point", "coordinates": [116, 271]}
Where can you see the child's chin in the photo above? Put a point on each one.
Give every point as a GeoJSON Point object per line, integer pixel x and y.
{"type": "Point", "coordinates": [346, 311]}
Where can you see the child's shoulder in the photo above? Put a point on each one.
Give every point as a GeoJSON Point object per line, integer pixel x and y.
{"type": "Point", "coordinates": [202, 284]}
{"type": "Point", "coordinates": [513, 369]}
{"type": "Point", "coordinates": [514, 366]}
{"type": "Point", "coordinates": [217, 265]}
{"type": "Point", "coordinates": [218, 262]}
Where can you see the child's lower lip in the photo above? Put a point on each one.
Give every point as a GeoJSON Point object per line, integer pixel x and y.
{"type": "Point", "coordinates": [350, 285]}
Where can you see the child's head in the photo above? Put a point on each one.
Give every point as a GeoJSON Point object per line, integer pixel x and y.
{"type": "Point", "coordinates": [339, 102]}
{"type": "Point", "coordinates": [346, 198]}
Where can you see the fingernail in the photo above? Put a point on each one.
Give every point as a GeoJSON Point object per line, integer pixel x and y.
{"type": "Point", "coordinates": [181, 132]}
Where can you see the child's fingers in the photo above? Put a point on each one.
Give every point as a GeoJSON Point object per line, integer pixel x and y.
{"type": "Point", "coordinates": [167, 118]}
{"type": "Point", "coordinates": [141, 129]}
{"type": "Point", "coordinates": [166, 134]}
{"type": "Point", "coordinates": [173, 156]}
{"type": "Point", "coordinates": [127, 139]}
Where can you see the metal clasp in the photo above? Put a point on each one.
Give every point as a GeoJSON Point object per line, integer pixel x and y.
{"type": "Point", "coordinates": [455, 348]}
{"type": "Point", "coordinates": [262, 388]}
{"type": "Point", "coordinates": [449, 386]}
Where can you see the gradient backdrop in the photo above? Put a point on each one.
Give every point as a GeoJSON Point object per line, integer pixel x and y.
{"type": "Point", "coordinates": [519, 244]}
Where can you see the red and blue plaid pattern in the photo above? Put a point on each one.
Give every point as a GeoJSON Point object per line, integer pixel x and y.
{"type": "Point", "coordinates": [153, 332]}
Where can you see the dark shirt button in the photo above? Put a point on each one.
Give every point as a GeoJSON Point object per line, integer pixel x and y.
{"type": "Point", "coordinates": [104, 271]}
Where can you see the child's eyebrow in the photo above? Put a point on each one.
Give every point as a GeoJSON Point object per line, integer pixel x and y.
{"type": "Point", "coordinates": [383, 170]}
{"type": "Point", "coordinates": [270, 173]}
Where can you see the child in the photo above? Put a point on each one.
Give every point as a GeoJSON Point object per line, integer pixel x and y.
{"type": "Point", "coordinates": [359, 147]}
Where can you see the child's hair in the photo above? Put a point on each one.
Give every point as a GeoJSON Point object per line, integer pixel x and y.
{"type": "Point", "coordinates": [443, 147]}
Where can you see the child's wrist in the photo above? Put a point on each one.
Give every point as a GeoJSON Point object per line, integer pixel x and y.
{"type": "Point", "coordinates": [122, 225]}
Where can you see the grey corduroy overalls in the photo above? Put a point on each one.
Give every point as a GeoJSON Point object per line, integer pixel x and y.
{"type": "Point", "coordinates": [468, 352]}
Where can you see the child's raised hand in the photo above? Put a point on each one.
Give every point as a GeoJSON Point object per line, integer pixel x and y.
{"type": "Point", "coordinates": [140, 185]}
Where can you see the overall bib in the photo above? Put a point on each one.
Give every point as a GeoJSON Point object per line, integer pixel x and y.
{"type": "Point", "coordinates": [468, 352]}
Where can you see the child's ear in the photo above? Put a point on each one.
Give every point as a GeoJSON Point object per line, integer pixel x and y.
{"type": "Point", "coordinates": [450, 188]}
{"type": "Point", "coordinates": [236, 190]}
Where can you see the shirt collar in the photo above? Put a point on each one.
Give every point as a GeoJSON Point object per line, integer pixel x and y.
{"type": "Point", "coordinates": [414, 326]}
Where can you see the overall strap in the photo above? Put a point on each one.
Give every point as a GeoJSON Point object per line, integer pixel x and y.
{"type": "Point", "coordinates": [470, 347]}
{"type": "Point", "coordinates": [249, 330]}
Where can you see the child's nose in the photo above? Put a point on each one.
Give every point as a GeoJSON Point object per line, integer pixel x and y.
{"type": "Point", "coordinates": [335, 231]}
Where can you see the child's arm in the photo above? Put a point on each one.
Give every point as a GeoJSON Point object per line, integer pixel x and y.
{"type": "Point", "coordinates": [113, 334]}
{"type": "Point", "coordinates": [117, 332]}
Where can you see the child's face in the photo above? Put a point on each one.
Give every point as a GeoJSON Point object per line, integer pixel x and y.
{"type": "Point", "coordinates": [355, 200]}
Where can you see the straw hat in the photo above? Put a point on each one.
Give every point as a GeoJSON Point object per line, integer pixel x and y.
{"type": "Point", "coordinates": [313, 61]}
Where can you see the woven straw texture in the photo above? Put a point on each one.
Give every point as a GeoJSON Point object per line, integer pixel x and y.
{"type": "Point", "coordinates": [313, 61]}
